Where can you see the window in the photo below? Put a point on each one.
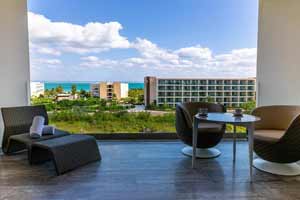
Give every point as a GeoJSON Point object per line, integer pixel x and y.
{"type": "Point", "coordinates": [187, 94]}
{"type": "Point", "coordinates": [178, 87]}
{"type": "Point", "coordinates": [186, 82]}
{"type": "Point", "coordinates": [219, 82]}
{"type": "Point", "coordinates": [121, 79]}
{"type": "Point", "coordinates": [194, 94]}
{"type": "Point", "coordinates": [227, 82]}
{"type": "Point", "coordinates": [235, 88]}
{"type": "Point", "coordinates": [170, 94]}
{"type": "Point", "coordinates": [211, 88]}
{"type": "Point", "coordinates": [170, 87]}
{"type": "Point", "coordinates": [178, 94]}
{"type": "Point", "coordinates": [227, 93]}
{"type": "Point", "coordinates": [203, 82]}
{"type": "Point", "coordinates": [187, 88]}
{"type": "Point", "coordinates": [161, 94]}
{"type": "Point", "coordinates": [227, 88]}
{"type": "Point", "coordinates": [242, 87]}
{"type": "Point", "coordinates": [219, 87]}
{"type": "Point", "coordinates": [194, 88]}
{"type": "Point", "coordinates": [235, 82]}
{"type": "Point", "coordinates": [211, 82]}
{"type": "Point", "coordinates": [219, 94]}
{"type": "Point", "coordinates": [161, 87]}
{"type": "Point", "coordinates": [202, 94]}
{"type": "Point", "coordinates": [203, 88]}
{"type": "Point", "coordinates": [211, 94]}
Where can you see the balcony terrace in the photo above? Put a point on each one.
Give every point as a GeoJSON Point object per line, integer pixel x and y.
{"type": "Point", "coordinates": [156, 168]}
{"type": "Point", "coordinates": [146, 170]}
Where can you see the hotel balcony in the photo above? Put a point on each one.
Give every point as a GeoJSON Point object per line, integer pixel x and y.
{"type": "Point", "coordinates": [151, 165]}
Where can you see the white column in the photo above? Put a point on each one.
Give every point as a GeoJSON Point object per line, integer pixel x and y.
{"type": "Point", "coordinates": [14, 55]}
{"type": "Point", "coordinates": [278, 64]}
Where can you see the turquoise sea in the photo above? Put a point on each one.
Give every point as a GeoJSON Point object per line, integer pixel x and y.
{"type": "Point", "coordinates": [84, 86]}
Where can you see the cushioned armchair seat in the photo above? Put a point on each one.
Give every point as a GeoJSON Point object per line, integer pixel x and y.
{"type": "Point", "coordinates": [266, 135]}
{"type": "Point", "coordinates": [277, 139]}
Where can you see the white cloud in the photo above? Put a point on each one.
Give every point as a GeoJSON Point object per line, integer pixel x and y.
{"type": "Point", "coordinates": [196, 53]}
{"type": "Point", "coordinates": [90, 58]}
{"type": "Point", "coordinates": [48, 61]}
{"type": "Point", "coordinates": [49, 51]}
{"type": "Point", "coordinates": [194, 61]}
{"type": "Point", "coordinates": [95, 62]}
{"type": "Point", "coordinates": [44, 63]}
{"type": "Point", "coordinates": [149, 50]}
{"type": "Point", "coordinates": [53, 37]}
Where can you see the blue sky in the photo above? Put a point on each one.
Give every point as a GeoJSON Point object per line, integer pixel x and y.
{"type": "Point", "coordinates": [127, 40]}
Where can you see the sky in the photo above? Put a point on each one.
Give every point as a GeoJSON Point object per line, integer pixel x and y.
{"type": "Point", "coordinates": [117, 40]}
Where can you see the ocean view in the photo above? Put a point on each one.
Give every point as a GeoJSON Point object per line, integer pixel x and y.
{"type": "Point", "coordinates": [84, 86]}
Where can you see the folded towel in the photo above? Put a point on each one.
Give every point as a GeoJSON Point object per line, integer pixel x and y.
{"type": "Point", "coordinates": [37, 126]}
{"type": "Point", "coordinates": [48, 130]}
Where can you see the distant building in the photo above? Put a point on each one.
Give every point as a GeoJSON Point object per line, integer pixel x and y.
{"type": "Point", "coordinates": [170, 91]}
{"type": "Point", "coordinates": [60, 97]}
{"type": "Point", "coordinates": [37, 89]}
{"type": "Point", "coordinates": [106, 90]}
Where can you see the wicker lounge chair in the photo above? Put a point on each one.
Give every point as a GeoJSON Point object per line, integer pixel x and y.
{"type": "Point", "coordinates": [277, 139]}
{"type": "Point", "coordinates": [17, 122]}
{"type": "Point", "coordinates": [67, 151]}
{"type": "Point", "coordinates": [210, 134]}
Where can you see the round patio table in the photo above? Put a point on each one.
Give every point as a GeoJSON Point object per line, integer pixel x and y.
{"type": "Point", "coordinates": [245, 120]}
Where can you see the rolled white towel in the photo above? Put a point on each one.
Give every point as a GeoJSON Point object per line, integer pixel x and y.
{"type": "Point", "coordinates": [37, 126]}
{"type": "Point", "coordinates": [48, 130]}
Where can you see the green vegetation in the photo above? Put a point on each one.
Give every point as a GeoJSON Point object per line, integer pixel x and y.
{"type": "Point", "coordinates": [248, 107]}
{"type": "Point", "coordinates": [107, 122]}
{"type": "Point", "coordinates": [78, 121]}
{"type": "Point", "coordinates": [135, 96]}
{"type": "Point", "coordinates": [163, 107]}
{"type": "Point", "coordinates": [86, 104]}
{"type": "Point", "coordinates": [73, 89]}
{"type": "Point", "coordinates": [59, 89]}
{"type": "Point", "coordinates": [93, 115]}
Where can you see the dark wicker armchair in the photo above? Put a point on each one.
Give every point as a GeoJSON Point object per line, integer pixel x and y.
{"type": "Point", "coordinates": [277, 139]}
{"type": "Point", "coordinates": [210, 134]}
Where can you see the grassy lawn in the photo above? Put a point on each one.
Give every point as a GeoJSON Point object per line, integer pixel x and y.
{"type": "Point", "coordinates": [113, 122]}
{"type": "Point", "coordinates": [118, 123]}
{"type": "Point", "coordinates": [116, 127]}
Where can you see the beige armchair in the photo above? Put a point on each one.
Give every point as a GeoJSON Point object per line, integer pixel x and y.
{"type": "Point", "coordinates": [277, 139]}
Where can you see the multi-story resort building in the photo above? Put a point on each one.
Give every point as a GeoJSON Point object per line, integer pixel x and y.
{"type": "Point", "coordinates": [107, 90]}
{"type": "Point", "coordinates": [37, 88]}
{"type": "Point", "coordinates": [170, 91]}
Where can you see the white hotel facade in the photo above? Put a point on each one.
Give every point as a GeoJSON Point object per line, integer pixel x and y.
{"type": "Point", "coordinates": [37, 89]}
{"type": "Point", "coordinates": [229, 92]}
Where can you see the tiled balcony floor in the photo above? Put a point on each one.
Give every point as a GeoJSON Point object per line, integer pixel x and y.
{"type": "Point", "coordinates": [145, 170]}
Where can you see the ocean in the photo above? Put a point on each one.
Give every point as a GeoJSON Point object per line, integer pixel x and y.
{"type": "Point", "coordinates": [84, 86]}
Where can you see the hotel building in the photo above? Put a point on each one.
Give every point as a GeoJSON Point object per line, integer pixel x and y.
{"type": "Point", "coordinates": [106, 90]}
{"type": "Point", "coordinates": [230, 92]}
{"type": "Point", "coordinates": [37, 89]}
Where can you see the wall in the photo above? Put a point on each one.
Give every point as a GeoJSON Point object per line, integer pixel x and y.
{"type": "Point", "coordinates": [278, 72]}
{"type": "Point", "coordinates": [150, 92]}
{"type": "Point", "coordinates": [124, 90]}
{"type": "Point", "coordinates": [117, 89]}
{"type": "Point", "coordinates": [103, 90]}
{"type": "Point", "coordinates": [14, 54]}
